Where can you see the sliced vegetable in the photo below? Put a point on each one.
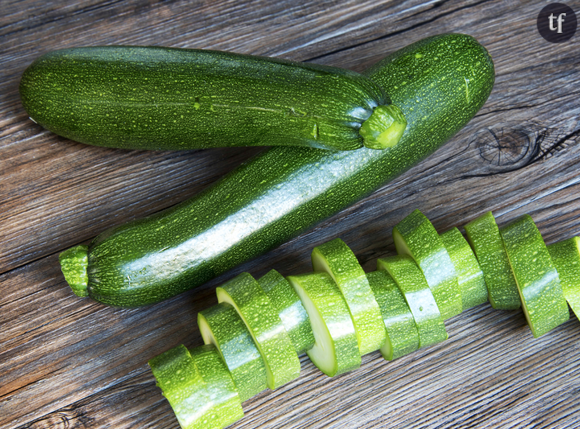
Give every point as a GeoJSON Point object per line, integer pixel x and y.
{"type": "Point", "coordinates": [256, 310]}
{"type": "Point", "coordinates": [485, 239]}
{"type": "Point", "coordinates": [221, 326]}
{"type": "Point", "coordinates": [184, 387]}
{"type": "Point", "coordinates": [419, 297]}
{"type": "Point", "coordinates": [469, 275]}
{"type": "Point", "coordinates": [566, 258]}
{"type": "Point", "coordinates": [402, 336]}
{"type": "Point", "coordinates": [335, 349]}
{"type": "Point", "coordinates": [415, 236]}
{"type": "Point", "coordinates": [284, 191]}
{"type": "Point", "coordinates": [223, 395]}
{"type": "Point", "coordinates": [136, 97]}
{"type": "Point", "coordinates": [336, 259]}
{"type": "Point", "coordinates": [538, 283]}
{"type": "Point", "coordinates": [289, 308]}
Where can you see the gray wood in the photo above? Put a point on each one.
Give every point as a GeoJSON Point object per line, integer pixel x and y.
{"type": "Point", "coordinates": [70, 362]}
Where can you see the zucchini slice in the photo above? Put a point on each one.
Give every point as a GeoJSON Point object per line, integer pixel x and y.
{"type": "Point", "coordinates": [336, 259]}
{"type": "Point", "coordinates": [184, 387]}
{"type": "Point", "coordinates": [220, 386]}
{"type": "Point", "coordinates": [335, 349]}
{"type": "Point", "coordinates": [416, 237]}
{"type": "Point", "coordinates": [256, 310]}
{"type": "Point", "coordinates": [538, 283]}
{"type": "Point", "coordinates": [221, 326]}
{"type": "Point", "coordinates": [469, 275]}
{"type": "Point", "coordinates": [290, 309]}
{"type": "Point", "coordinates": [566, 258]}
{"type": "Point", "coordinates": [420, 299]}
{"type": "Point", "coordinates": [402, 335]}
{"type": "Point", "coordinates": [485, 239]}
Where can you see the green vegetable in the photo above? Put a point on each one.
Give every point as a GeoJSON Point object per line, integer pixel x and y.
{"type": "Point", "coordinates": [420, 299]}
{"type": "Point", "coordinates": [221, 326]}
{"type": "Point", "coordinates": [538, 283]}
{"type": "Point", "coordinates": [469, 275]}
{"type": "Point", "coordinates": [335, 349]}
{"type": "Point", "coordinates": [566, 258]}
{"type": "Point", "coordinates": [261, 318]}
{"type": "Point", "coordinates": [336, 259]}
{"type": "Point", "coordinates": [485, 239]}
{"type": "Point", "coordinates": [162, 98]}
{"type": "Point", "coordinates": [284, 191]}
{"type": "Point", "coordinates": [290, 309]}
{"type": "Point", "coordinates": [184, 387]}
{"type": "Point", "coordinates": [226, 404]}
{"type": "Point", "coordinates": [402, 336]}
{"type": "Point", "coordinates": [415, 236]}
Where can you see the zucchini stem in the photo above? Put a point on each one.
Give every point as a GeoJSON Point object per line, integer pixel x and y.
{"type": "Point", "coordinates": [384, 128]}
{"type": "Point", "coordinates": [74, 263]}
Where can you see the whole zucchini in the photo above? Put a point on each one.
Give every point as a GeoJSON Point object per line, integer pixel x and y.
{"type": "Point", "coordinates": [165, 98]}
{"type": "Point", "coordinates": [439, 83]}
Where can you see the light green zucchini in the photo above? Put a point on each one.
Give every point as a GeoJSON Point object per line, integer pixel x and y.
{"type": "Point", "coordinates": [221, 326]}
{"type": "Point", "coordinates": [469, 275]}
{"type": "Point", "coordinates": [261, 318]}
{"type": "Point", "coordinates": [566, 258]}
{"type": "Point", "coordinates": [336, 259]}
{"type": "Point", "coordinates": [420, 299]}
{"type": "Point", "coordinates": [335, 349]}
{"type": "Point", "coordinates": [402, 335]}
{"type": "Point", "coordinates": [416, 237]}
{"type": "Point", "coordinates": [226, 404]}
{"type": "Point", "coordinates": [136, 97]}
{"type": "Point", "coordinates": [290, 309]}
{"type": "Point", "coordinates": [538, 283]}
{"type": "Point", "coordinates": [485, 240]}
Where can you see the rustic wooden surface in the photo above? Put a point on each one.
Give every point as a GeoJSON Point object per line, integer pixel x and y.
{"type": "Point", "coordinates": [67, 362]}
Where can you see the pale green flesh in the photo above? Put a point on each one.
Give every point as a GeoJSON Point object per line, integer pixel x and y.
{"type": "Point", "coordinates": [221, 326]}
{"type": "Point", "coordinates": [538, 283]}
{"type": "Point", "coordinates": [256, 310]}
{"type": "Point", "coordinates": [485, 240]}
{"type": "Point", "coordinates": [416, 237]}
{"type": "Point", "coordinates": [185, 389]}
{"type": "Point", "coordinates": [402, 336]}
{"type": "Point", "coordinates": [469, 275]}
{"type": "Point", "coordinates": [222, 391]}
{"type": "Point", "coordinates": [290, 309]}
{"type": "Point", "coordinates": [566, 258]}
{"type": "Point", "coordinates": [336, 259]}
{"type": "Point", "coordinates": [335, 349]}
{"type": "Point", "coordinates": [419, 297]}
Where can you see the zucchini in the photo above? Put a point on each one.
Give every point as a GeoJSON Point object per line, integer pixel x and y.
{"type": "Point", "coordinates": [335, 350]}
{"type": "Point", "coordinates": [221, 326]}
{"type": "Point", "coordinates": [256, 310]}
{"type": "Point", "coordinates": [336, 259]}
{"type": "Point", "coordinates": [136, 97]}
{"type": "Point", "coordinates": [290, 309]}
{"type": "Point", "coordinates": [469, 275]}
{"type": "Point", "coordinates": [416, 237]}
{"type": "Point", "coordinates": [538, 283]}
{"type": "Point", "coordinates": [402, 335]}
{"type": "Point", "coordinates": [420, 299]}
{"type": "Point", "coordinates": [566, 258]}
{"type": "Point", "coordinates": [485, 239]}
{"type": "Point", "coordinates": [286, 190]}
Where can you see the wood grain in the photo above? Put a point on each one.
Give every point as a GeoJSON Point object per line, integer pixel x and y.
{"type": "Point", "coordinates": [68, 362]}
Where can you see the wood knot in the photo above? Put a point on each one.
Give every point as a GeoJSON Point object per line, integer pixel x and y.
{"type": "Point", "coordinates": [65, 419]}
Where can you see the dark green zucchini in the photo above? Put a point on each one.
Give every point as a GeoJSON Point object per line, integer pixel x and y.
{"type": "Point", "coordinates": [439, 83]}
{"type": "Point", "coordinates": [164, 98]}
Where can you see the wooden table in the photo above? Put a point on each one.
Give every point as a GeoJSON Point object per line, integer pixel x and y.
{"type": "Point", "coordinates": [70, 362]}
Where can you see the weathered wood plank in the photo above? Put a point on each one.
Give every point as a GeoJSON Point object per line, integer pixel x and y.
{"type": "Point", "coordinates": [66, 362]}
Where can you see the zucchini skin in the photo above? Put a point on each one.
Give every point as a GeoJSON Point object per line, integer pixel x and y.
{"type": "Point", "coordinates": [286, 190]}
{"type": "Point", "coordinates": [135, 97]}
